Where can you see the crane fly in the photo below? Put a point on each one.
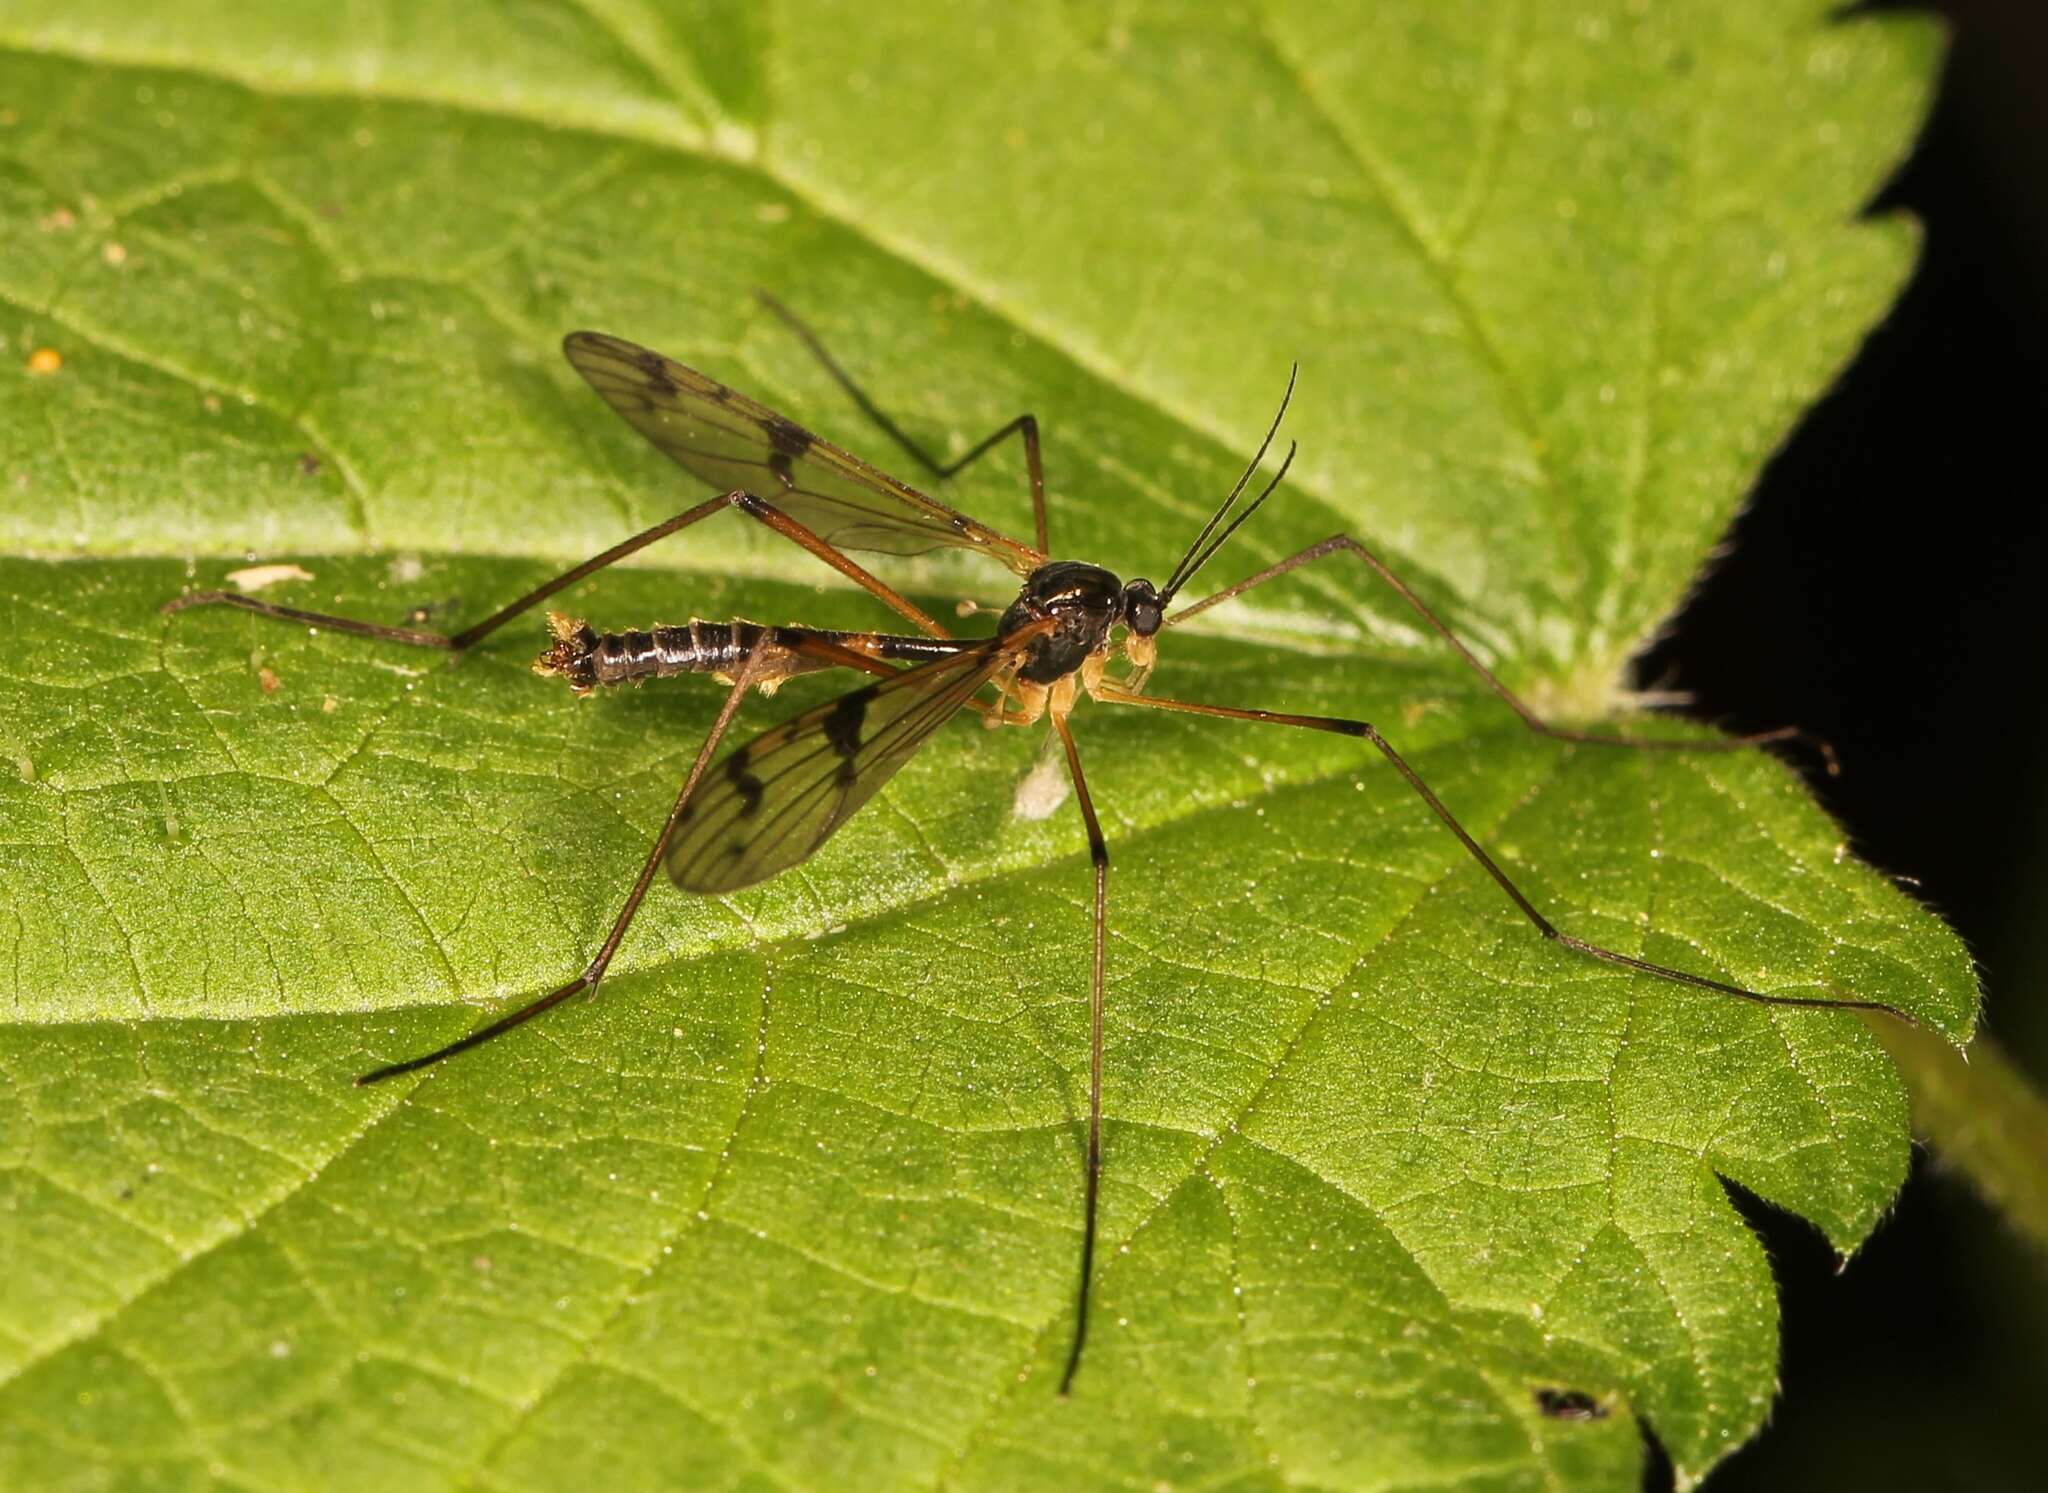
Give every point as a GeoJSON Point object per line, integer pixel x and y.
{"type": "Point", "coordinates": [772, 802]}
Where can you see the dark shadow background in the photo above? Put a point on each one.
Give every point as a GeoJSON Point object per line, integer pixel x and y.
{"type": "Point", "coordinates": [1885, 590]}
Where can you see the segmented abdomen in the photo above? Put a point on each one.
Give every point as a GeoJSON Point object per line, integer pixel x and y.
{"type": "Point", "coordinates": [587, 658]}
{"type": "Point", "coordinates": [696, 648]}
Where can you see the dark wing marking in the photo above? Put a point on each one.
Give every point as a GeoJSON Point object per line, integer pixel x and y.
{"type": "Point", "coordinates": [771, 803]}
{"type": "Point", "coordinates": [734, 443]}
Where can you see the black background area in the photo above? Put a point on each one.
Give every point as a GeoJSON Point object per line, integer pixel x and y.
{"type": "Point", "coordinates": [1884, 591]}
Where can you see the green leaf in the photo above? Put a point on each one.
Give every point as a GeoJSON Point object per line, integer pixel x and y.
{"type": "Point", "coordinates": [796, 1203]}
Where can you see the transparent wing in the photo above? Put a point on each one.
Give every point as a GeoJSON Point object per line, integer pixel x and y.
{"type": "Point", "coordinates": [772, 802]}
{"type": "Point", "coordinates": [732, 442]}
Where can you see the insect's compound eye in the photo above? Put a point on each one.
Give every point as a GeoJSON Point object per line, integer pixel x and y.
{"type": "Point", "coordinates": [1143, 611]}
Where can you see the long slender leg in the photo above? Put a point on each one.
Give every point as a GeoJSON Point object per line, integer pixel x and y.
{"type": "Point", "coordinates": [1478, 852]}
{"type": "Point", "coordinates": [455, 642]}
{"type": "Point", "coordinates": [1024, 426]}
{"type": "Point", "coordinates": [1339, 543]}
{"type": "Point", "coordinates": [1098, 852]}
{"type": "Point", "coordinates": [761, 512]}
{"type": "Point", "coordinates": [595, 972]}
{"type": "Point", "coordinates": [790, 529]}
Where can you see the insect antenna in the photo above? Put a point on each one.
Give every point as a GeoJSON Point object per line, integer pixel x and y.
{"type": "Point", "coordinates": [1181, 578]}
{"type": "Point", "coordinates": [1197, 555]}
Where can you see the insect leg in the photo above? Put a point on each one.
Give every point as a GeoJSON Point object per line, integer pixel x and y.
{"type": "Point", "coordinates": [767, 513]}
{"type": "Point", "coordinates": [588, 980]}
{"type": "Point", "coordinates": [1025, 427]}
{"type": "Point", "coordinates": [1098, 852]}
{"type": "Point", "coordinates": [454, 642]}
{"type": "Point", "coordinates": [1341, 543]}
{"type": "Point", "coordinates": [745, 502]}
{"type": "Point", "coordinates": [1478, 852]}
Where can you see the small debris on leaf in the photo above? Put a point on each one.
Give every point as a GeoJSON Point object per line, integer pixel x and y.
{"type": "Point", "coordinates": [256, 577]}
{"type": "Point", "coordinates": [1569, 1404]}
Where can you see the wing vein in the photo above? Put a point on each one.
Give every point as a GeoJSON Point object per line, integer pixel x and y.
{"type": "Point", "coordinates": [729, 440]}
{"type": "Point", "coordinates": [772, 802]}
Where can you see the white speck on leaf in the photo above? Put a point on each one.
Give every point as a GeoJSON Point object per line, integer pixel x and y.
{"type": "Point", "coordinates": [257, 577]}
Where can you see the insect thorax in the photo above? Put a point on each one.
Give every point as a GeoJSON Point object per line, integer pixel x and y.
{"type": "Point", "coordinates": [1084, 601]}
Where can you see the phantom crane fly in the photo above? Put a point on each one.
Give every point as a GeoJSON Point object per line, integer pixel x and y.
{"type": "Point", "coordinates": [772, 802]}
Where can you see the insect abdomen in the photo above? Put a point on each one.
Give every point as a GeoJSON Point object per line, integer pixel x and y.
{"type": "Point", "coordinates": [587, 658]}
{"type": "Point", "coordinates": [658, 653]}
